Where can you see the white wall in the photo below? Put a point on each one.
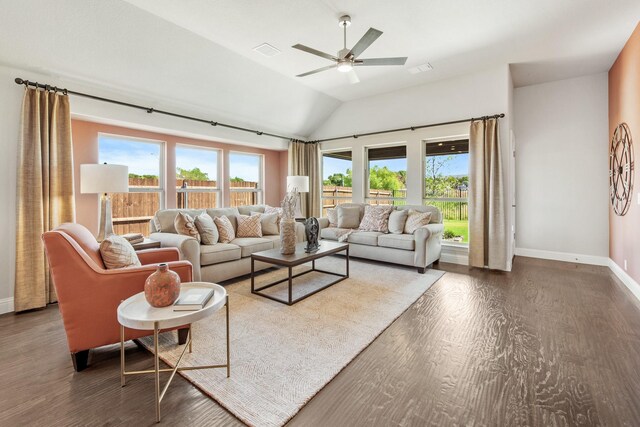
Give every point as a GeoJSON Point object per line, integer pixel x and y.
{"type": "Point", "coordinates": [463, 97]}
{"type": "Point", "coordinates": [561, 131]}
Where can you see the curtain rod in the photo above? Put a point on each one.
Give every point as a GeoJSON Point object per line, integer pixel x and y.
{"type": "Point", "coordinates": [150, 110]}
{"type": "Point", "coordinates": [380, 132]}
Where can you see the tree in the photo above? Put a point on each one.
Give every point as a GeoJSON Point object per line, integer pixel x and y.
{"type": "Point", "coordinates": [339, 179]}
{"type": "Point", "coordinates": [435, 183]}
{"type": "Point", "coordinates": [135, 175]}
{"type": "Point", "coordinates": [383, 178]}
{"type": "Point", "coordinates": [195, 174]}
{"type": "Point", "coordinates": [237, 179]}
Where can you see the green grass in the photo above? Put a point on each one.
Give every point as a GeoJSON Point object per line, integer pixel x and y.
{"type": "Point", "coordinates": [460, 228]}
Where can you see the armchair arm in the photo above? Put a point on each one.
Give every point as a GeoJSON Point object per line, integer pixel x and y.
{"type": "Point", "coordinates": [188, 246]}
{"type": "Point", "coordinates": [428, 244]}
{"type": "Point", "coordinates": [156, 256]}
{"type": "Point", "coordinates": [323, 222]}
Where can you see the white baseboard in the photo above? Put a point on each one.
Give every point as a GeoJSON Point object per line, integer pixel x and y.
{"type": "Point", "coordinates": [455, 254]}
{"type": "Point", "coordinates": [6, 305]}
{"type": "Point", "coordinates": [628, 281]}
{"type": "Point", "coordinates": [563, 256]}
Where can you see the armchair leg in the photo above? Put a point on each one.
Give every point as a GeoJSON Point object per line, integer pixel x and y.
{"type": "Point", "coordinates": [436, 261]}
{"type": "Point", "coordinates": [182, 335]}
{"type": "Point", "coordinates": [80, 360]}
{"type": "Point", "coordinates": [422, 270]}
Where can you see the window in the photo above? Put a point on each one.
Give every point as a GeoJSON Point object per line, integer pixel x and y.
{"type": "Point", "coordinates": [132, 211]}
{"type": "Point", "coordinates": [197, 177]}
{"type": "Point", "coordinates": [387, 175]}
{"type": "Point", "coordinates": [446, 186]}
{"type": "Point", "coordinates": [245, 179]}
{"type": "Point", "coordinates": [336, 179]}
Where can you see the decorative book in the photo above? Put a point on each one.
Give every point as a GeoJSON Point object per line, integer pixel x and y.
{"type": "Point", "coordinates": [193, 299]}
{"type": "Point", "coordinates": [133, 237]}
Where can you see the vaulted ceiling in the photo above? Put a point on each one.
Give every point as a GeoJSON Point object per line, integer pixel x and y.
{"type": "Point", "coordinates": [199, 53]}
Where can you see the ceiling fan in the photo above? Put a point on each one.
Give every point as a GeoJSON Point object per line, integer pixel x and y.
{"type": "Point", "coordinates": [348, 58]}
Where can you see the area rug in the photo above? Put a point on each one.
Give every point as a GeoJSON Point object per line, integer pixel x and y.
{"type": "Point", "coordinates": [281, 356]}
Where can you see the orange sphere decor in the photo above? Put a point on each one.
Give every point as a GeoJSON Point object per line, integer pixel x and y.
{"type": "Point", "coordinates": [162, 288]}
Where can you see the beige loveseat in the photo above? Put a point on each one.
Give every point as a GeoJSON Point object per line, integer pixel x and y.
{"type": "Point", "coordinates": [420, 249]}
{"type": "Point", "coordinates": [222, 261]}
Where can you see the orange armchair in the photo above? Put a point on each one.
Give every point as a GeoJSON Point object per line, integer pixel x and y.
{"type": "Point", "coordinates": [89, 294]}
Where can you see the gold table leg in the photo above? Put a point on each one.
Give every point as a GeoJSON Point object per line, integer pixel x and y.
{"type": "Point", "coordinates": [228, 359]}
{"type": "Point", "coordinates": [122, 376]}
{"type": "Point", "coordinates": [157, 369]}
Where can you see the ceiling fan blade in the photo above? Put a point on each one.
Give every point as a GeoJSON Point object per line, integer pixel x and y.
{"type": "Point", "coordinates": [353, 77]}
{"type": "Point", "coordinates": [328, 67]}
{"type": "Point", "coordinates": [369, 37]}
{"type": "Point", "coordinates": [381, 61]}
{"type": "Point", "coordinates": [314, 52]}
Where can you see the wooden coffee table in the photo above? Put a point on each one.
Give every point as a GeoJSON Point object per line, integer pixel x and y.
{"type": "Point", "coordinates": [273, 256]}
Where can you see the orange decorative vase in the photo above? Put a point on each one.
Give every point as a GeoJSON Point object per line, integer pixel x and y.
{"type": "Point", "coordinates": [162, 288]}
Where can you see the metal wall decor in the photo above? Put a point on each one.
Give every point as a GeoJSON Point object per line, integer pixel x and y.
{"type": "Point", "coordinates": [312, 228]}
{"type": "Point", "coordinates": [621, 169]}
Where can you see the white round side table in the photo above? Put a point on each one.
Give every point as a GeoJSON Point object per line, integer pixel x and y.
{"type": "Point", "coordinates": [136, 313]}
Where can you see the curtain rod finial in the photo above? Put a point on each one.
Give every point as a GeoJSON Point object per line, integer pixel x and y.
{"type": "Point", "coordinates": [19, 81]}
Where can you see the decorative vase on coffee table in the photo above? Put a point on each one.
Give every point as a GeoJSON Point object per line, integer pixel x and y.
{"type": "Point", "coordinates": [287, 236]}
{"type": "Point", "coordinates": [162, 288]}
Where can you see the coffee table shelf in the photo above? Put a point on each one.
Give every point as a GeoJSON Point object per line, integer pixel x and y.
{"type": "Point", "coordinates": [273, 256]}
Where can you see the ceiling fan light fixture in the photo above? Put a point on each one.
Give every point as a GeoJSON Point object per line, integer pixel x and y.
{"type": "Point", "coordinates": [344, 67]}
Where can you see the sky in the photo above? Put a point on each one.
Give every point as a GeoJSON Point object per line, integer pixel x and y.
{"type": "Point", "coordinates": [143, 158]}
{"type": "Point", "coordinates": [458, 165]}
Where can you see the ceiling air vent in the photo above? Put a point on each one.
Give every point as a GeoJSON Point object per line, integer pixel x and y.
{"type": "Point", "coordinates": [420, 68]}
{"type": "Point", "coordinates": [267, 50]}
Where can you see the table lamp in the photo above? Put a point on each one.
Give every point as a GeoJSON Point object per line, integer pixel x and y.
{"type": "Point", "coordinates": [104, 179]}
{"type": "Point", "coordinates": [300, 184]}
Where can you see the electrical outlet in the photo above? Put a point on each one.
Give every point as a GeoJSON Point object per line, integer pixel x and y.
{"type": "Point", "coordinates": [625, 265]}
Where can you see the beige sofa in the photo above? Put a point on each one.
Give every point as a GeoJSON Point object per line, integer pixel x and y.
{"type": "Point", "coordinates": [222, 261]}
{"type": "Point", "coordinates": [420, 249]}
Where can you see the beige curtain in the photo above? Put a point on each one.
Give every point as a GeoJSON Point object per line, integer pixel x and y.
{"type": "Point", "coordinates": [304, 160]}
{"type": "Point", "coordinates": [44, 191]}
{"type": "Point", "coordinates": [487, 233]}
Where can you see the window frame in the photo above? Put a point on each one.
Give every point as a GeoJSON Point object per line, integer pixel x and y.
{"type": "Point", "coordinates": [426, 199]}
{"type": "Point", "coordinates": [161, 163]}
{"type": "Point", "coordinates": [260, 188]}
{"type": "Point", "coordinates": [367, 180]}
{"type": "Point", "coordinates": [217, 189]}
{"type": "Point", "coordinates": [322, 197]}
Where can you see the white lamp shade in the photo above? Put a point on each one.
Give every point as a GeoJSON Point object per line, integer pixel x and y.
{"type": "Point", "coordinates": [102, 178]}
{"type": "Point", "coordinates": [299, 183]}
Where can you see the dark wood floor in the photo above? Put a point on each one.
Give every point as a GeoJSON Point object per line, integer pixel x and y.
{"type": "Point", "coordinates": [548, 344]}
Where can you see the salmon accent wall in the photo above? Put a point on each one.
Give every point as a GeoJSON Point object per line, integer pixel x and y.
{"type": "Point", "coordinates": [624, 106]}
{"type": "Point", "coordinates": [85, 150]}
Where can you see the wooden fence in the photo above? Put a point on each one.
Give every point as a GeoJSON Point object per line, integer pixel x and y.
{"type": "Point", "coordinates": [455, 209]}
{"type": "Point", "coordinates": [132, 211]}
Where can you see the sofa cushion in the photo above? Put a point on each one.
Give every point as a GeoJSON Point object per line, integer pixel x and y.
{"type": "Point", "coordinates": [332, 216]}
{"type": "Point", "coordinates": [333, 233]}
{"type": "Point", "coordinates": [249, 209]}
{"type": "Point", "coordinates": [415, 220]}
{"type": "Point", "coordinates": [207, 228]}
{"type": "Point", "coordinates": [275, 239]}
{"type": "Point", "coordinates": [249, 245]}
{"type": "Point", "coordinates": [397, 219]}
{"type": "Point", "coordinates": [397, 241]}
{"type": "Point", "coordinates": [249, 226]}
{"type": "Point", "coordinates": [164, 218]}
{"type": "Point", "coordinates": [226, 232]}
{"type": "Point", "coordinates": [376, 218]}
{"type": "Point", "coordinates": [230, 213]}
{"type": "Point", "coordinates": [369, 238]}
{"type": "Point", "coordinates": [269, 223]}
{"type": "Point", "coordinates": [185, 225]}
{"type": "Point", "coordinates": [348, 216]}
{"type": "Point", "coordinates": [220, 252]}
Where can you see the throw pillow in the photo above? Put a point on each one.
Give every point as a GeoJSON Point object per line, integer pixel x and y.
{"type": "Point", "coordinates": [117, 252]}
{"type": "Point", "coordinates": [269, 223]}
{"type": "Point", "coordinates": [332, 216]}
{"type": "Point", "coordinates": [348, 216]}
{"type": "Point", "coordinates": [225, 229]}
{"type": "Point", "coordinates": [376, 218]}
{"type": "Point", "coordinates": [207, 229]}
{"type": "Point", "coordinates": [270, 210]}
{"type": "Point", "coordinates": [185, 225]}
{"type": "Point", "coordinates": [156, 223]}
{"type": "Point", "coordinates": [397, 220]}
{"type": "Point", "coordinates": [249, 226]}
{"type": "Point", "coordinates": [416, 219]}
